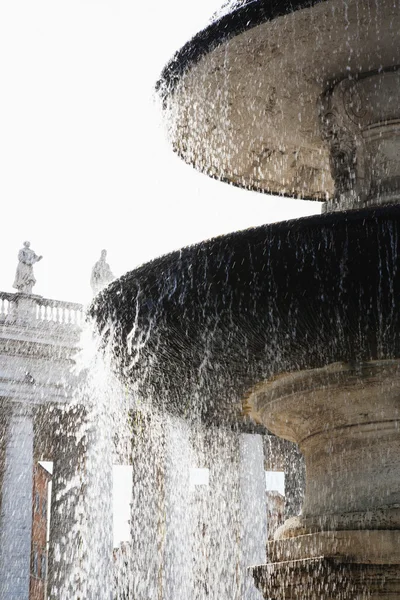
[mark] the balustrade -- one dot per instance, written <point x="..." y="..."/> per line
<point x="13" y="307"/>
<point x="6" y="304"/>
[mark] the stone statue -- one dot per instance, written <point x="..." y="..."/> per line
<point x="24" y="277"/>
<point x="101" y="274"/>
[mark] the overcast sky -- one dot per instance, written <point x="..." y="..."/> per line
<point x="84" y="161"/>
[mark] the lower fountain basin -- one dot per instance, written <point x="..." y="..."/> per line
<point x="196" y="329"/>
<point x="345" y="420"/>
<point x="328" y="578"/>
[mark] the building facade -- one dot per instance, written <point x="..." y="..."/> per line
<point x="38" y="342"/>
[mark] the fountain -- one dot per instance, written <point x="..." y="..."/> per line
<point x="295" y="324"/>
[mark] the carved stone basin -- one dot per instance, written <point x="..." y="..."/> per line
<point x="196" y="329"/>
<point x="246" y="99"/>
<point x="297" y="323"/>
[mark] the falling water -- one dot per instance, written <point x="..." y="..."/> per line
<point x="180" y="344"/>
<point x="93" y="435"/>
<point x="197" y="330"/>
<point x="198" y="512"/>
<point x="198" y="509"/>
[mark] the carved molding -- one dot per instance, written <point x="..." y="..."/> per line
<point x="37" y="350"/>
<point x="360" y="121"/>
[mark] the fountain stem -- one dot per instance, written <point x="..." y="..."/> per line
<point x="360" y="120"/>
<point x="345" y="420"/>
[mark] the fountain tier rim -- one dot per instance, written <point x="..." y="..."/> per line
<point x="236" y="21"/>
<point x="318" y="278"/>
<point x="271" y="108"/>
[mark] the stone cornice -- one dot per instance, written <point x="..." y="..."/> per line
<point x="15" y="347"/>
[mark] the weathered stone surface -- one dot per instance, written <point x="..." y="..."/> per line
<point x="66" y="551"/>
<point x="346" y="541"/>
<point x="360" y="120"/>
<point x="300" y="99"/>
<point x="377" y="546"/>
<point x="101" y="274"/>
<point x="244" y="108"/>
<point x="345" y="420"/>
<point x="38" y="346"/>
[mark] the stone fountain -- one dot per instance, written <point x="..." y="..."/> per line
<point x="296" y="324"/>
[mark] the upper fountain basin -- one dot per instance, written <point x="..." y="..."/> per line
<point x="196" y="329"/>
<point x="242" y="98"/>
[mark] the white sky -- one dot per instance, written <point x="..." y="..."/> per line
<point x="122" y="498"/>
<point x="84" y="163"/>
<point x="275" y="481"/>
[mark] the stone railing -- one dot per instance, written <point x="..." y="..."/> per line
<point x="7" y="303"/>
<point x="36" y="310"/>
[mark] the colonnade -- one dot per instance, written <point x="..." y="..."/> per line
<point x="184" y="536"/>
<point x="37" y="351"/>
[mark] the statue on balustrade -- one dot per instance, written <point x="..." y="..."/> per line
<point x="101" y="274"/>
<point x="24" y="277"/>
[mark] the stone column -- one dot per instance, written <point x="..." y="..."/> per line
<point x="217" y="545"/>
<point x="16" y="507"/>
<point x="67" y="524"/>
<point x="81" y="530"/>
<point x="148" y="509"/>
<point x="178" y="557"/>
<point x="98" y="501"/>
<point x="253" y="521"/>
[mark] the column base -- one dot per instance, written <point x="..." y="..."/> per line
<point x="386" y="518"/>
<point x="346" y="542"/>
<point x="327" y="578"/>
<point x="328" y="565"/>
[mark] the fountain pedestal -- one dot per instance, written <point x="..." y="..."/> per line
<point x="345" y="420"/>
